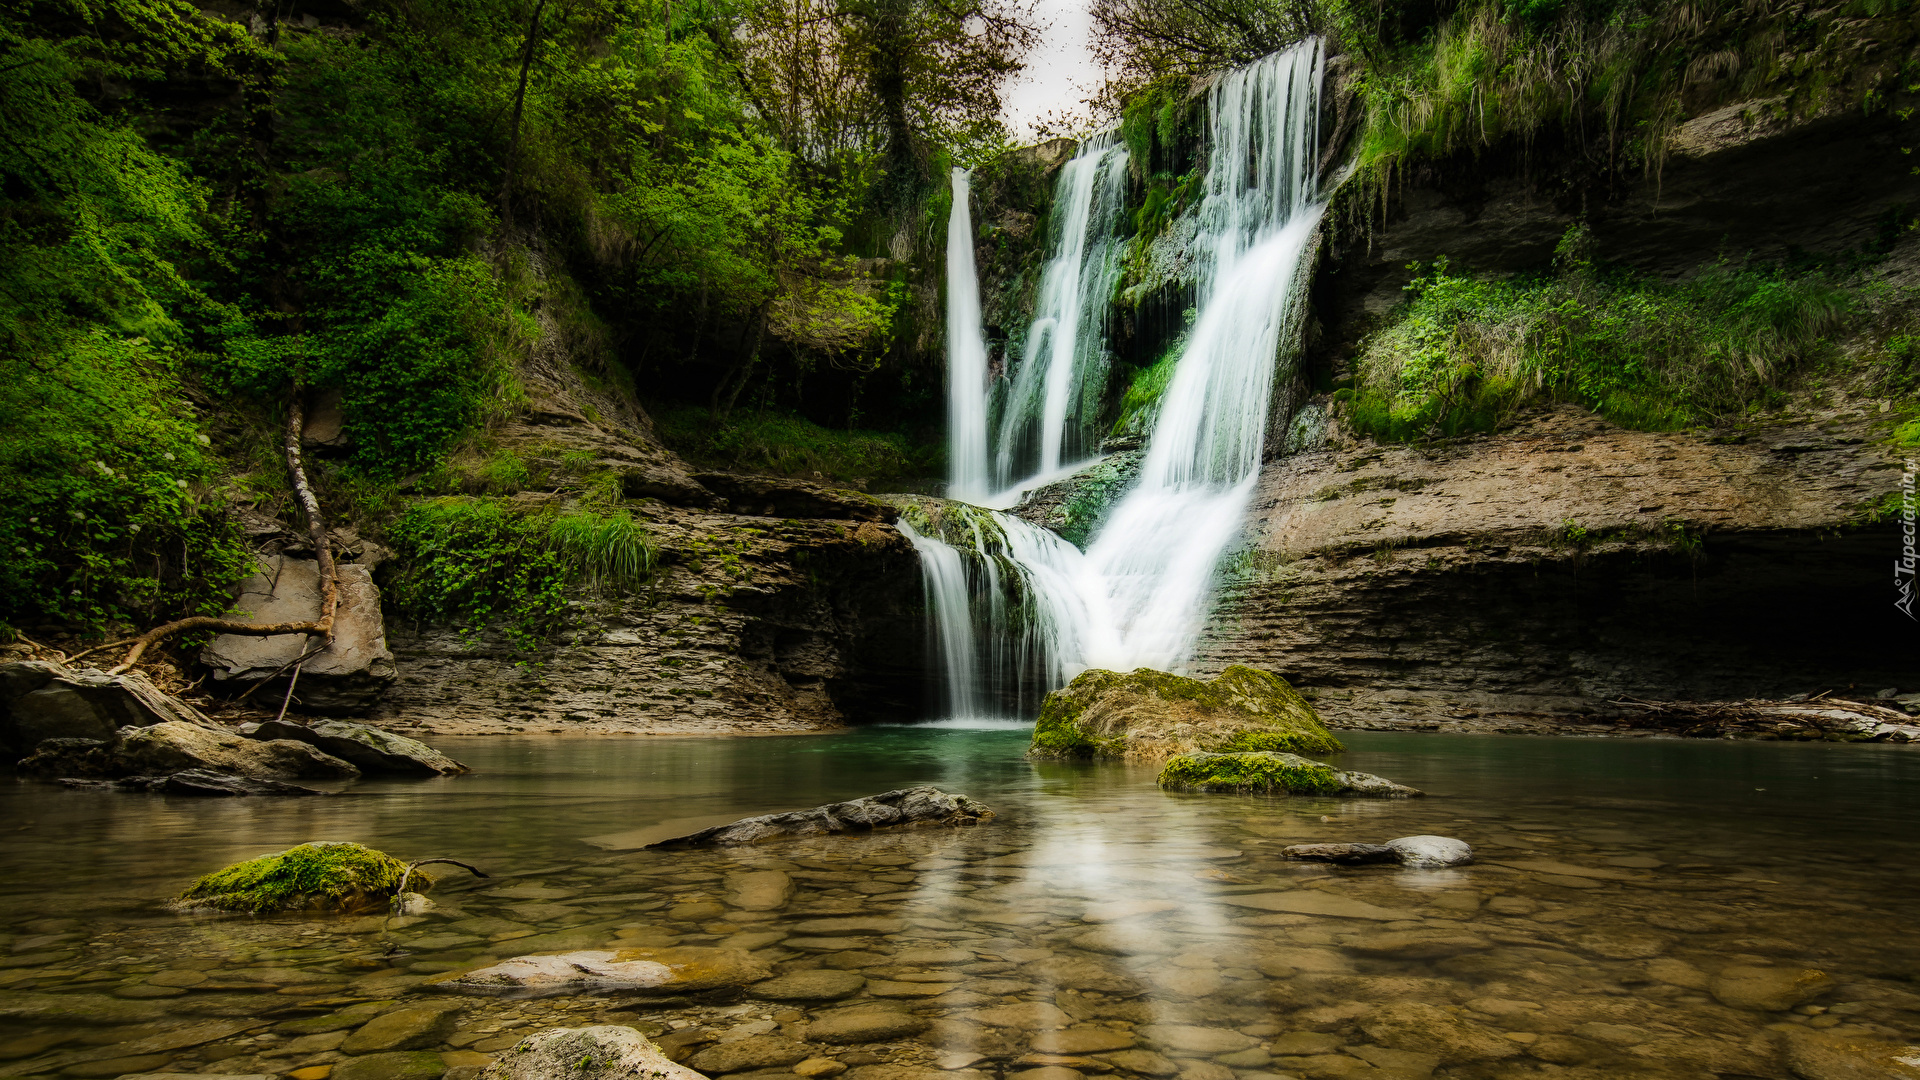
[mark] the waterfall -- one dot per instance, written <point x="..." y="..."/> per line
<point x="1138" y="594"/>
<point x="1049" y="412"/>
<point x="967" y="472"/>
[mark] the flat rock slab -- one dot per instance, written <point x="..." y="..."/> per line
<point x="177" y="746"/>
<point x="200" y="782"/>
<point x="818" y="984"/>
<point x="906" y="807"/>
<point x="1344" y="854"/>
<point x="859" y="1025"/>
<point x="667" y="970"/>
<point x="370" y="748"/>
<point x="604" y="1052"/>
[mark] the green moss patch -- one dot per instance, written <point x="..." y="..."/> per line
<point x="1153" y="714"/>
<point x="1271" y="773"/>
<point x="324" y="876"/>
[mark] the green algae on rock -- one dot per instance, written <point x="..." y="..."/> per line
<point x="1150" y="715"/>
<point x="1272" y="773"/>
<point x="319" y="876"/>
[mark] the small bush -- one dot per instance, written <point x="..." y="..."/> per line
<point x="1461" y="355"/>
<point x="478" y="562"/>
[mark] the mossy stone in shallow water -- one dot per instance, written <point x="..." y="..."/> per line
<point x="321" y="876"/>
<point x="1152" y="715"/>
<point x="1263" y="772"/>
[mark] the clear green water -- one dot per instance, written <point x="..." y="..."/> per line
<point x="1617" y="880"/>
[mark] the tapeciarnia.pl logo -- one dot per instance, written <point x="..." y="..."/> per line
<point x="1903" y="567"/>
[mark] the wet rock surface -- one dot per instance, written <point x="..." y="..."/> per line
<point x="1276" y="774"/>
<point x="41" y="701"/>
<point x="369" y="748"/>
<point x="347" y="676"/>
<point x="906" y="808"/>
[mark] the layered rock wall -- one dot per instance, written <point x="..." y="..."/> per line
<point x="1543" y="574"/>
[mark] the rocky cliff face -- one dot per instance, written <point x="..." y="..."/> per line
<point x="781" y="606"/>
<point x="1534" y="577"/>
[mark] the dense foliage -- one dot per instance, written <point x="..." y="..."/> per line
<point x="1612" y="77"/>
<point x="200" y="216"/>
<point x="1464" y="354"/>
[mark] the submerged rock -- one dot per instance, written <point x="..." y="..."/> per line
<point x="667" y="970"/>
<point x="195" y="782"/>
<point x="369" y="748"/>
<point x="1768" y="989"/>
<point x="1273" y="773"/>
<point x="1344" y="854"/>
<point x="1149" y="715"/>
<point x="891" y="809"/>
<point x="320" y="876"/>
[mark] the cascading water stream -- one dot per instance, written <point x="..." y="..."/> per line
<point x="968" y="473"/>
<point x="1046" y="420"/>
<point x="1138" y="595"/>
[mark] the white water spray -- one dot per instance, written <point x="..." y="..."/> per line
<point x="1048" y="416"/>
<point x="1138" y="595"/>
<point x="967" y="472"/>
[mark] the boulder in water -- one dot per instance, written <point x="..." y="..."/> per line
<point x="1417" y="852"/>
<point x="663" y="970"/>
<point x="1273" y="774"/>
<point x="195" y="782"/>
<point x="890" y="809"/>
<point x="603" y="1052"/>
<point x="320" y="876"/>
<point x="1149" y="715"/>
<point x="370" y="748"/>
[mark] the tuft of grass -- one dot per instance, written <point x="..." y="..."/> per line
<point x="1463" y="355"/>
<point x="479" y="562"/>
<point x="329" y="876"/>
<point x="1267" y="773"/>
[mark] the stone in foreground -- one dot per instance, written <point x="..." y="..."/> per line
<point x="370" y="748"/>
<point x="1149" y="715"/>
<point x="604" y="1052"/>
<point x="1270" y="773"/>
<point x="1344" y="854"/>
<point x="906" y="807"/>
<point x="666" y="970"/>
<point x="321" y="876"/>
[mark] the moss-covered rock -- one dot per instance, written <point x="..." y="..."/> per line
<point x="321" y="876"/>
<point x="1149" y="715"/>
<point x="1273" y="774"/>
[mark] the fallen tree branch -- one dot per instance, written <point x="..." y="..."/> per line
<point x="323" y="554"/>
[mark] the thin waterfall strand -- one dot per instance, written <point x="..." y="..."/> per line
<point x="968" y="474"/>
<point x="1048" y="416"/>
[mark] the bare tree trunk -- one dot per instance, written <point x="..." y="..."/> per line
<point x="519" y="103"/>
<point x="323" y="554"/>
